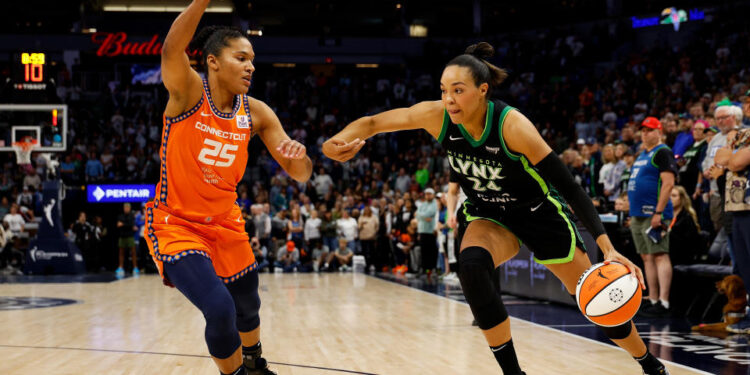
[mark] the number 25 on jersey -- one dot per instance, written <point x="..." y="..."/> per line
<point x="217" y="154"/>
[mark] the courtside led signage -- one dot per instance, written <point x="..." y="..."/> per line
<point x="119" y="193"/>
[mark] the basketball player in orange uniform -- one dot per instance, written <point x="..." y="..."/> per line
<point x="194" y="228"/>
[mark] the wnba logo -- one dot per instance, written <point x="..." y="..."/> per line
<point x="37" y="255"/>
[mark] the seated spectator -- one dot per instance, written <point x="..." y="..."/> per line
<point x="26" y="198"/>
<point x="340" y="259"/>
<point x="260" y="253"/>
<point x="685" y="244"/>
<point x="404" y="245"/>
<point x="287" y="257"/>
<point x="4" y="206"/>
<point x="319" y="255"/>
<point x="14" y="220"/>
<point x="32" y="179"/>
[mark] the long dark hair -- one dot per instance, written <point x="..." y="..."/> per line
<point x="210" y="40"/>
<point x="475" y="59"/>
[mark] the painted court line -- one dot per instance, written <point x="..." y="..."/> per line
<point x="612" y="346"/>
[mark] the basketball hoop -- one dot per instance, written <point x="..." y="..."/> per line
<point x="23" y="151"/>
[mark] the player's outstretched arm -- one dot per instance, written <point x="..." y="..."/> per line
<point x="290" y="154"/>
<point x="522" y="137"/>
<point x="345" y="144"/>
<point x="182" y="82"/>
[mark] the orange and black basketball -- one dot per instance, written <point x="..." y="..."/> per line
<point x="608" y="295"/>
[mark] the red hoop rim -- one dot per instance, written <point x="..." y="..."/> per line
<point x="23" y="145"/>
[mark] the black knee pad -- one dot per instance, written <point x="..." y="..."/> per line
<point x="475" y="273"/>
<point x="246" y="300"/>
<point x="614" y="333"/>
<point x="618" y="332"/>
<point x="221" y="331"/>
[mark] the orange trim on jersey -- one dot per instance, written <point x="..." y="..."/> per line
<point x="225" y="243"/>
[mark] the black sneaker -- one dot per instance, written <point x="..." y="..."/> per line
<point x="656" y="311"/>
<point x="660" y="371"/>
<point x="261" y="371"/>
<point x="645" y="305"/>
<point x="260" y="368"/>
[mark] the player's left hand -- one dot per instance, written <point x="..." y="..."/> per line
<point x="291" y="149"/>
<point x="635" y="271"/>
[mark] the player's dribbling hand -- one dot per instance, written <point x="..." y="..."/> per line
<point x="291" y="149"/>
<point x="635" y="271"/>
<point x="342" y="151"/>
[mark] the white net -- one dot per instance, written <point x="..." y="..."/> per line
<point x="23" y="151"/>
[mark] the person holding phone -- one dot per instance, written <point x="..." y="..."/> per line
<point x="651" y="180"/>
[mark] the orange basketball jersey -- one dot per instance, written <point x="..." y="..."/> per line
<point x="203" y="157"/>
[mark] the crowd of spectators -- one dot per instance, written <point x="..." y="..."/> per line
<point x="386" y="204"/>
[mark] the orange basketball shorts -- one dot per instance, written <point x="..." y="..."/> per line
<point x="225" y="242"/>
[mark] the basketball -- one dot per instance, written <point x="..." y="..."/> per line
<point x="607" y="295"/>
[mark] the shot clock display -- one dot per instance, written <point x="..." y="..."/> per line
<point x="30" y="81"/>
<point x="30" y="71"/>
<point x="33" y="66"/>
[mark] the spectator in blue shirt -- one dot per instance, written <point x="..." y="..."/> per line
<point x="94" y="168"/>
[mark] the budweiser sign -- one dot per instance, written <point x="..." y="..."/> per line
<point x="117" y="44"/>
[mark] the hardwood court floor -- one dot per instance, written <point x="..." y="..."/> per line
<point x="311" y="324"/>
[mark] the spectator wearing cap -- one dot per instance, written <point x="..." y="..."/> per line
<point x="727" y="118"/>
<point x="287" y="257"/>
<point x="426" y="210"/>
<point x="690" y="162"/>
<point x="649" y="189"/>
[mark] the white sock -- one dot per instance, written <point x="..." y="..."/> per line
<point x="665" y="304"/>
<point x="653" y="301"/>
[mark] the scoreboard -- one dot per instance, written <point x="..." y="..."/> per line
<point x="29" y="71"/>
<point x="30" y="80"/>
